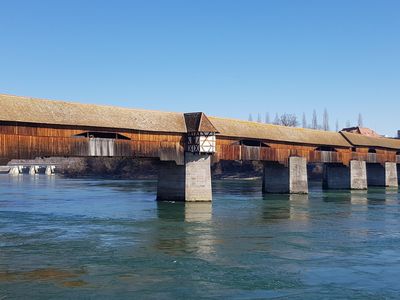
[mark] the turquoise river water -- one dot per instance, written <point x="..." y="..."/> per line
<point x="102" y="239"/>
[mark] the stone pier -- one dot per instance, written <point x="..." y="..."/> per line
<point x="338" y="176"/>
<point x="14" y="171"/>
<point x="49" y="170"/>
<point x="382" y="175"/>
<point x="398" y="174"/>
<point x="33" y="170"/>
<point x="188" y="182"/>
<point x="290" y="179"/>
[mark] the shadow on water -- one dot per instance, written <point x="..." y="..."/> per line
<point x="238" y="188"/>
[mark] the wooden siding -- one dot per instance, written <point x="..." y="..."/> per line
<point x="44" y="130"/>
<point x="27" y="141"/>
<point x="228" y="149"/>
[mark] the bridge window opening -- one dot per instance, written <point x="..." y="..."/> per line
<point x="353" y="149"/>
<point x="326" y="148"/>
<point x="252" y="143"/>
<point x="371" y="150"/>
<point x="398" y="152"/>
<point x="102" y="135"/>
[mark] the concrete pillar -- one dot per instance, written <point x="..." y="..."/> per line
<point x="398" y="174"/>
<point x="32" y="170"/>
<point x="291" y="179"/>
<point x="190" y="182"/>
<point x="391" y="176"/>
<point x="14" y="171"/>
<point x="49" y="170"/>
<point x="338" y="176"/>
<point x="382" y="175"/>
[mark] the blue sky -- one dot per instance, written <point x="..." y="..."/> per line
<point x="226" y="58"/>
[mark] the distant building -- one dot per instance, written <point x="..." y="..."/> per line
<point x="362" y="131"/>
<point x="398" y="134"/>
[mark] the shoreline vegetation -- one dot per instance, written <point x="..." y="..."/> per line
<point x="128" y="168"/>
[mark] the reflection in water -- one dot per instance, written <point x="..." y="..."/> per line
<point x="276" y="207"/>
<point x="282" y="206"/>
<point x="198" y="212"/>
<point x="299" y="208"/>
<point x="184" y="211"/>
<point x="359" y="197"/>
<point x="62" y="238"/>
<point x="186" y="228"/>
<point x="65" y="277"/>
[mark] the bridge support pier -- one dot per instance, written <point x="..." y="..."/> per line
<point x="190" y="182"/>
<point x="14" y="171"/>
<point x="33" y="170"/>
<point x="398" y="174"/>
<point x="49" y="170"/>
<point x="281" y="179"/>
<point x="382" y="175"/>
<point x="338" y="176"/>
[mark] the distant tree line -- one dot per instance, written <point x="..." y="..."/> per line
<point x="290" y="120"/>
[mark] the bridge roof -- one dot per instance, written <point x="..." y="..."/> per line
<point x="40" y="111"/>
<point x="369" y="141"/>
<point x="198" y="122"/>
<point x="31" y="110"/>
<point x="254" y="130"/>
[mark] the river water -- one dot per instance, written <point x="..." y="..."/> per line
<point x="102" y="239"/>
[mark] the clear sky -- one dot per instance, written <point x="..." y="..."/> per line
<point x="226" y="58"/>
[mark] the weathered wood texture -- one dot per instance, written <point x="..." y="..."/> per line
<point x="228" y="150"/>
<point x="27" y="141"/>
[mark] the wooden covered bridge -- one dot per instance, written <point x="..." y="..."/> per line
<point x="188" y="143"/>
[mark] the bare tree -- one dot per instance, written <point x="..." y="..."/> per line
<point x="277" y="120"/>
<point x="259" y="118"/>
<point x="250" y="118"/>
<point x="304" y="122"/>
<point x="360" y="120"/>
<point x="314" y="123"/>
<point x="337" y="126"/>
<point x="325" y="123"/>
<point x="267" y="118"/>
<point x="289" y="120"/>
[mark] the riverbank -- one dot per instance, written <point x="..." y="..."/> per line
<point x="128" y="168"/>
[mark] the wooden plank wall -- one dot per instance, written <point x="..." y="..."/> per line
<point x="228" y="150"/>
<point x="27" y="141"/>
